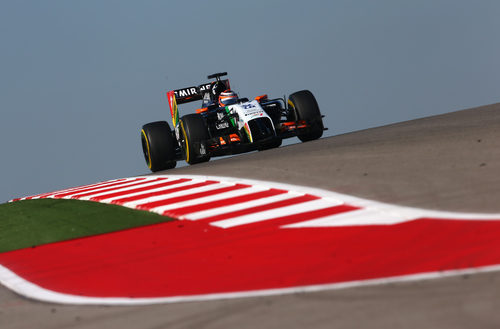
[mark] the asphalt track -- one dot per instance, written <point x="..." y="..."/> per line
<point x="448" y="162"/>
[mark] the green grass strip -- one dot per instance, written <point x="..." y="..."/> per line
<point x="34" y="222"/>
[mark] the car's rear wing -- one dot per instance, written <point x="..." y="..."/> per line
<point x="187" y="95"/>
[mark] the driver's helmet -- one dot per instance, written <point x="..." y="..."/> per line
<point x="228" y="97"/>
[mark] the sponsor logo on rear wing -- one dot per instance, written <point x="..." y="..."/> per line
<point x="191" y="94"/>
<point x="194" y="93"/>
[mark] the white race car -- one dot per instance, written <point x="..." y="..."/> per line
<point x="219" y="128"/>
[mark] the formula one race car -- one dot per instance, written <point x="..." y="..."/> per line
<point x="226" y="124"/>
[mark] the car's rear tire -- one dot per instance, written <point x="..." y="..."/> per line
<point x="158" y="146"/>
<point x="304" y="105"/>
<point x="194" y="132"/>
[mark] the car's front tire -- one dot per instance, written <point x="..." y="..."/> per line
<point x="194" y="137"/>
<point x="304" y="105"/>
<point x="158" y="146"/>
<point x="271" y="145"/>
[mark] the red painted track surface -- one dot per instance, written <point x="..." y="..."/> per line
<point x="190" y="258"/>
<point x="308" y="237"/>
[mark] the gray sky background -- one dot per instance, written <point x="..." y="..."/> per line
<point x="78" y="79"/>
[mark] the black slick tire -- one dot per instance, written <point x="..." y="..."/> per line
<point x="158" y="146"/>
<point x="194" y="133"/>
<point x="271" y="145"/>
<point x="304" y="105"/>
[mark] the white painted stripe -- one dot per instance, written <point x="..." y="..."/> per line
<point x="145" y="183"/>
<point x="138" y="184"/>
<point x="33" y="291"/>
<point x="275" y="213"/>
<point x="152" y="190"/>
<point x="359" y="217"/>
<point x="216" y="197"/>
<point x="240" y="206"/>
<point x="190" y="191"/>
<point x="165" y="189"/>
<point x="71" y="189"/>
<point x="97" y="190"/>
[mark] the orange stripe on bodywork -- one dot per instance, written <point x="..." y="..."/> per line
<point x="234" y="138"/>
<point x="261" y="98"/>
